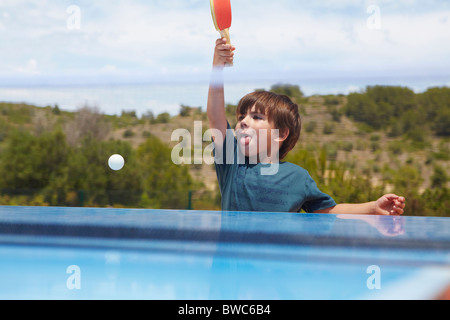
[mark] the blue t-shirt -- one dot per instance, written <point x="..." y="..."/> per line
<point x="253" y="187"/>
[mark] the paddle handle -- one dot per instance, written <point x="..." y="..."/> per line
<point x="225" y="33"/>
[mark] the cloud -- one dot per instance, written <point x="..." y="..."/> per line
<point x="30" y="67"/>
<point x="169" y="38"/>
<point x="309" y="42"/>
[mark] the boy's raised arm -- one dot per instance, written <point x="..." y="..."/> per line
<point x="223" y="54"/>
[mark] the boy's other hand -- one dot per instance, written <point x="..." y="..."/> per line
<point x="223" y="53"/>
<point x="390" y="204"/>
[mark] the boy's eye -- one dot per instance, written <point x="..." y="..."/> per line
<point x="253" y="116"/>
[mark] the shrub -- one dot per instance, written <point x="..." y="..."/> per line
<point x="328" y="128"/>
<point x="311" y="126"/>
<point x="128" y="133"/>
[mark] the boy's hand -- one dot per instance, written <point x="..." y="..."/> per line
<point x="223" y="53"/>
<point x="390" y="204"/>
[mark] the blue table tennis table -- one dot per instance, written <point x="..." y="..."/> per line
<point x="106" y="253"/>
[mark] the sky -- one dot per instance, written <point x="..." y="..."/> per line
<point x="125" y="41"/>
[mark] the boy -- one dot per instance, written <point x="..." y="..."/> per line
<point x="268" y="128"/>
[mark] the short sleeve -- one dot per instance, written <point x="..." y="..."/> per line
<point x="315" y="199"/>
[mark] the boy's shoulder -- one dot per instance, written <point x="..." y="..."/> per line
<point x="292" y="168"/>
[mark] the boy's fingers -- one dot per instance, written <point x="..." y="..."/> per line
<point x="400" y="204"/>
<point x="394" y="197"/>
<point x="396" y="211"/>
<point x="225" y="47"/>
<point x="221" y="41"/>
<point x="225" y="54"/>
<point x="398" y="207"/>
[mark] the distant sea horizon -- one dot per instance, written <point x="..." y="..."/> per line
<point x="168" y="97"/>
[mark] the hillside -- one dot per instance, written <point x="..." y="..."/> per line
<point x="388" y="160"/>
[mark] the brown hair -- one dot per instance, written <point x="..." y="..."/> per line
<point x="280" y="110"/>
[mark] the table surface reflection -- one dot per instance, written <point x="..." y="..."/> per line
<point x="99" y="253"/>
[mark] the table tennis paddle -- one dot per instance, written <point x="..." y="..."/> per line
<point x="221" y="14"/>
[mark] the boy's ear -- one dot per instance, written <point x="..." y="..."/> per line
<point x="282" y="135"/>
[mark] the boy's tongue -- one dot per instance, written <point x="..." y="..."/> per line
<point x="245" y="140"/>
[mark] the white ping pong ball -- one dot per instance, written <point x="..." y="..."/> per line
<point x="116" y="162"/>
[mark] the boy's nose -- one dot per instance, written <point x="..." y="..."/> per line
<point x="244" y="123"/>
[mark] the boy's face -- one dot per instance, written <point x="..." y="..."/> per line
<point x="254" y="134"/>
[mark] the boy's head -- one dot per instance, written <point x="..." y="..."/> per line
<point x="267" y="110"/>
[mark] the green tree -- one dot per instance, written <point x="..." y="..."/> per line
<point x="439" y="178"/>
<point x="442" y="123"/>
<point x="383" y="106"/>
<point x="31" y="163"/>
<point x="435" y="101"/>
<point x="433" y="202"/>
<point x="361" y="108"/>
<point x="396" y="100"/>
<point x="88" y="171"/>
<point x="185" y="111"/>
<point x="292" y="91"/>
<point x="165" y="184"/>
<point x="163" y="118"/>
